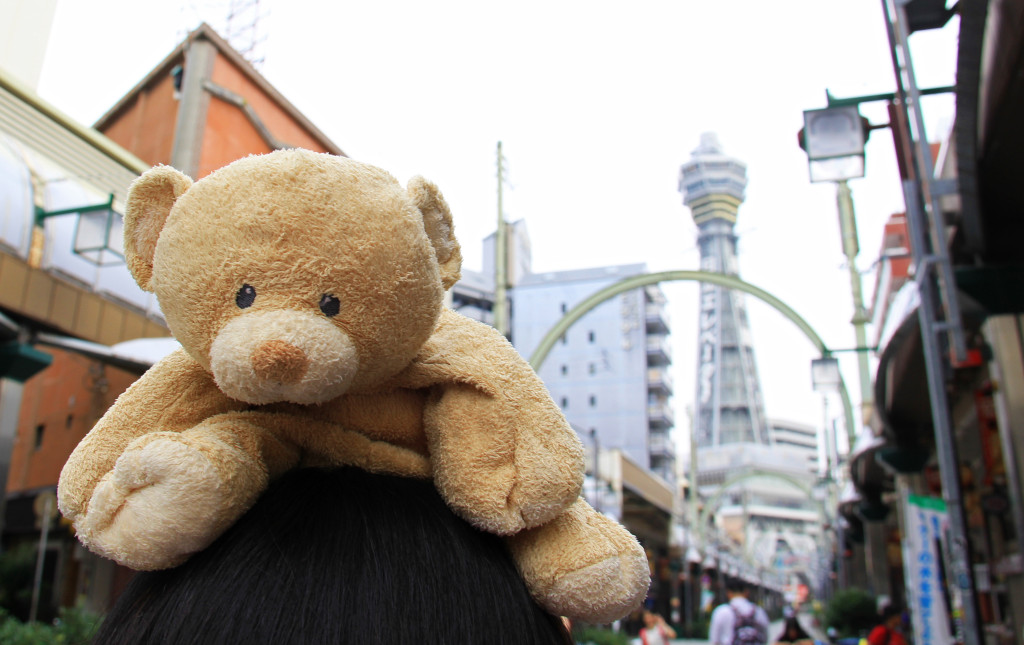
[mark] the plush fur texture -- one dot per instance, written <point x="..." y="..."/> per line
<point x="306" y="291"/>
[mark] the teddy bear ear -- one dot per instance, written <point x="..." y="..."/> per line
<point x="437" y="221"/>
<point x="150" y="199"/>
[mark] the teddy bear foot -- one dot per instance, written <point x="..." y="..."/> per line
<point x="163" y="501"/>
<point x="583" y="565"/>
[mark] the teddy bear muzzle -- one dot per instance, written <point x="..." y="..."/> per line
<point x="283" y="356"/>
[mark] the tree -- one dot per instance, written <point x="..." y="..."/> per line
<point x="852" y="612"/>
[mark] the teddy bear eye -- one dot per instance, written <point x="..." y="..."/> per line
<point x="245" y="297"/>
<point x="330" y="305"/>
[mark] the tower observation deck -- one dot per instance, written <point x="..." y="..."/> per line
<point x="729" y="404"/>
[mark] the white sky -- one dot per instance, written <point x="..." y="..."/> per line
<point x="597" y="105"/>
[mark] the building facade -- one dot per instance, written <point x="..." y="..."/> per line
<point x="800" y="437"/>
<point x="609" y="371"/>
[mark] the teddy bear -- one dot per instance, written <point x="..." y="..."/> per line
<point x="307" y="293"/>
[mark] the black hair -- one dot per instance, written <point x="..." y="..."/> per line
<point x="891" y="610"/>
<point x="339" y="556"/>
<point x="736" y="585"/>
<point x="793" y="624"/>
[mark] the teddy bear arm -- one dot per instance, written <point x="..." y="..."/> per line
<point x="503" y="464"/>
<point x="174" y="395"/>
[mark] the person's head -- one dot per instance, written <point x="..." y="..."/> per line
<point x="736" y="587"/>
<point x="892" y="616"/>
<point x="340" y="556"/>
<point x="792" y="630"/>
<point x="650" y="618"/>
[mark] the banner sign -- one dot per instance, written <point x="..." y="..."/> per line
<point x="925" y="569"/>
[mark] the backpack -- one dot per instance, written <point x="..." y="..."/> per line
<point x="745" y="630"/>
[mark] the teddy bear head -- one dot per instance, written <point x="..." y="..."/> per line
<point x="293" y="276"/>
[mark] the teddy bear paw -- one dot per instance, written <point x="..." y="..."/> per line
<point x="601" y="592"/>
<point x="163" y="501"/>
<point x="583" y="565"/>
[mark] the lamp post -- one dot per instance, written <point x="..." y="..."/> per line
<point x="834" y="139"/>
<point x="825" y="378"/>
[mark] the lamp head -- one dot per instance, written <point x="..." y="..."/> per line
<point x="834" y="140"/>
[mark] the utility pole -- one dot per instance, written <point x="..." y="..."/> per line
<point x="501" y="317"/>
<point x="597" y="472"/>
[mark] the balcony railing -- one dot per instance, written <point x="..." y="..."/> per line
<point x="657" y="319"/>
<point x="660" y="416"/>
<point x="658" y="351"/>
<point x="659" y="381"/>
<point x="660" y="445"/>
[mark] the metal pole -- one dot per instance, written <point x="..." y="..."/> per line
<point x="945" y="445"/>
<point x="939" y="314"/>
<point x="500" y="259"/>
<point x="840" y="534"/>
<point x="828" y="429"/>
<point x="851" y="247"/>
<point x="40" y="557"/>
<point x="597" y="477"/>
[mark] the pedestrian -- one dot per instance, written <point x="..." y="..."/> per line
<point x="793" y="633"/>
<point x="887" y="632"/>
<point x="338" y="556"/>
<point x="655" y="630"/>
<point x="738" y="621"/>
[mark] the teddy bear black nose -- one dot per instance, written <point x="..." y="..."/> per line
<point x="276" y="360"/>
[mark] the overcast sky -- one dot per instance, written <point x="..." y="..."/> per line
<point x="597" y="105"/>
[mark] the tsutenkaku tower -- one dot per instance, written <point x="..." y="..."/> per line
<point x="729" y="408"/>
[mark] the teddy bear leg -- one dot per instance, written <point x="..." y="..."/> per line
<point x="171" y="494"/>
<point x="583" y="565"/>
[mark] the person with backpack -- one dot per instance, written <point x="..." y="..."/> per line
<point x="738" y="621"/>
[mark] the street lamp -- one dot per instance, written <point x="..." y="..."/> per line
<point x="825" y="376"/>
<point x="834" y="139"/>
<point x="99" y="233"/>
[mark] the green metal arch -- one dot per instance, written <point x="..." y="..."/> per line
<point x="720" y="279"/>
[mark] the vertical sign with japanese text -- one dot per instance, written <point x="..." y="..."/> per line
<point x="923" y="565"/>
<point x="707" y="355"/>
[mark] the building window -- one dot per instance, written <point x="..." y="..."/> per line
<point x="68" y="422"/>
<point x="565" y="339"/>
<point x="38" y="440"/>
<point x="591" y="336"/>
<point x="565" y="402"/>
<point x="593" y="401"/>
<point x="565" y="370"/>
<point x="565" y="308"/>
<point x="592" y="368"/>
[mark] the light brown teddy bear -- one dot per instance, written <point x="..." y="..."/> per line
<point x="307" y="293"/>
